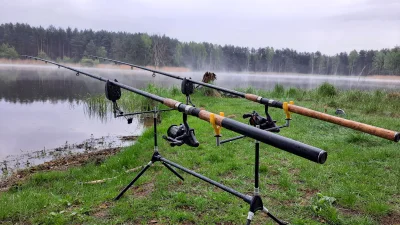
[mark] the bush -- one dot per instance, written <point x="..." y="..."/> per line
<point x="175" y="91"/>
<point x="279" y="90"/>
<point x="251" y="90"/>
<point x="292" y="93"/>
<point x="333" y="104"/>
<point x="7" y="51"/>
<point x="327" y="90"/>
<point x="88" y="62"/>
<point x="43" y="55"/>
<point x="67" y="59"/>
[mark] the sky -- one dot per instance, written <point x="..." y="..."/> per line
<point x="329" y="26"/>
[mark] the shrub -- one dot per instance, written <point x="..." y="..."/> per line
<point x="292" y="93"/>
<point x="88" y="62"/>
<point x="327" y="90"/>
<point x="279" y="90"/>
<point x="43" y="55"/>
<point x="7" y="51"/>
<point x="250" y="90"/>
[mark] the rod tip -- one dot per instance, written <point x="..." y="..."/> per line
<point x="323" y="155"/>
<point x="397" y="137"/>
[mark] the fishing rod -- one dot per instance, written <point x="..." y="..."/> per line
<point x="373" y="130"/>
<point x="295" y="147"/>
<point x="113" y="93"/>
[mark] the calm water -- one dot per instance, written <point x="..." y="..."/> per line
<point x="42" y="111"/>
<point x="42" y="107"/>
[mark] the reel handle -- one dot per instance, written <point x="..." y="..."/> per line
<point x="172" y="142"/>
<point x="247" y="115"/>
<point x="191" y="140"/>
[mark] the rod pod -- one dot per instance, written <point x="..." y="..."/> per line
<point x="373" y="130"/>
<point x="295" y="147"/>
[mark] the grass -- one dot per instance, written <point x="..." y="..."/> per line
<point x="359" y="183"/>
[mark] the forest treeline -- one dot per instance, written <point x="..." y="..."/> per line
<point x="69" y="45"/>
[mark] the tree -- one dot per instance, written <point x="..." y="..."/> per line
<point x="352" y="60"/>
<point x="101" y="51"/>
<point x="8" y="52"/>
<point x="392" y="62"/>
<point x="145" y="47"/>
<point x="43" y="55"/>
<point x="91" y="48"/>
<point x="335" y="64"/>
<point x="159" y="50"/>
<point x="378" y="62"/>
<point x="178" y="55"/>
<point x="142" y="49"/>
<point x="269" y="56"/>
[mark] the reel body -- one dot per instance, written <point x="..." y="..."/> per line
<point x="263" y="122"/>
<point x="182" y="134"/>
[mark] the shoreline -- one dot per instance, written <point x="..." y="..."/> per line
<point x="82" y="189"/>
<point x="27" y="62"/>
<point x="59" y="164"/>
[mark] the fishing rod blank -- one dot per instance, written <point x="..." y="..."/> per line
<point x="300" y="149"/>
<point x="373" y="130"/>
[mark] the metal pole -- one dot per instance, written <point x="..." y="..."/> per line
<point x="155" y="129"/>
<point x="257" y="166"/>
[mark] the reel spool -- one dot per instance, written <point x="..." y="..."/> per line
<point x="182" y="134"/>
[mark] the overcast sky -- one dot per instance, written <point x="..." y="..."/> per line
<point x="305" y="25"/>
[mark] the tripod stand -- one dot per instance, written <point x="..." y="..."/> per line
<point x="156" y="157"/>
<point x="255" y="202"/>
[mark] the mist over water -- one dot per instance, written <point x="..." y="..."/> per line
<point x="43" y="107"/>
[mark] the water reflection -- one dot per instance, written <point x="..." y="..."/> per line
<point x="43" y="107"/>
<point x="21" y="84"/>
<point x="26" y="84"/>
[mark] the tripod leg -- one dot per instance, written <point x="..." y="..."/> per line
<point x="249" y="217"/>
<point x="255" y="205"/>
<point x="280" y="222"/>
<point x="173" y="171"/>
<point x="133" y="181"/>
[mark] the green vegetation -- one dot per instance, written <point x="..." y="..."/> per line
<point x="326" y="90"/>
<point x="64" y="59"/>
<point x="43" y="55"/>
<point x="8" y="52"/>
<point x="160" y="50"/>
<point x="359" y="183"/>
<point x="89" y="62"/>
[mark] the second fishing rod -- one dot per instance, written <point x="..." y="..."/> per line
<point x="283" y="143"/>
<point x="366" y="128"/>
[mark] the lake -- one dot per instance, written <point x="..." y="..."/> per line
<point x="43" y="107"/>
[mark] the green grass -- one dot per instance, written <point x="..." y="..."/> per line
<point x="361" y="174"/>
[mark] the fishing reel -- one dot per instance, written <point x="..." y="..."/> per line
<point x="264" y="123"/>
<point x="182" y="134"/>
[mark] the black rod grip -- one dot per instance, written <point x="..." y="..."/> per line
<point x="300" y="149"/>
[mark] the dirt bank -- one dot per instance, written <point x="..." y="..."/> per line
<point x="58" y="164"/>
